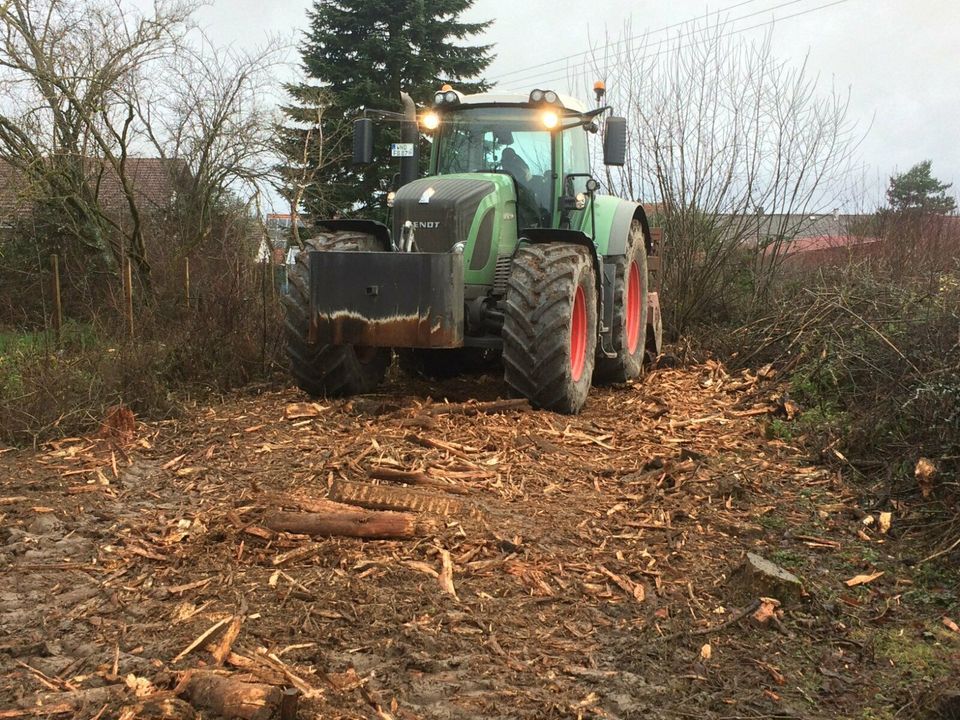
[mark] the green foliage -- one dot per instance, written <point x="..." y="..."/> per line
<point x="874" y="368"/>
<point x="917" y="190"/>
<point x="362" y="53"/>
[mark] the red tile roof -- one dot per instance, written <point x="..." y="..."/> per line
<point x="12" y="192"/>
<point x="154" y="181"/>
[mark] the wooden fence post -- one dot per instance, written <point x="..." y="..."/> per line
<point x="186" y="281"/>
<point x="128" y="292"/>
<point x="57" y="304"/>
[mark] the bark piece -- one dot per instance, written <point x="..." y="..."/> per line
<point x="758" y="577"/>
<point x="381" y="497"/>
<point x="230" y="698"/>
<point x="479" y="408"/>
<point x="159" y="708"/>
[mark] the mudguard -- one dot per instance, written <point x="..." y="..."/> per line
<point x="613" y="217"/>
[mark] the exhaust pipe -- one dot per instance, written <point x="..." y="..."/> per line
<point x="409" y="133"/>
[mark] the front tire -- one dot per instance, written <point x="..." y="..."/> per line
<point x="328" y="370"/>
<point x="550" y="326"/>
<point x="630" y="298"/>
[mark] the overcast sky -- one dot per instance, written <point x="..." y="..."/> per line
<point x="899" y="58"/>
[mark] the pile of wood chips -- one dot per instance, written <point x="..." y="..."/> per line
<point x="388" y="556"/>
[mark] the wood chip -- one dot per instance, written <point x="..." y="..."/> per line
<point x="863" y="579"/>
<point x="201" y="639"/>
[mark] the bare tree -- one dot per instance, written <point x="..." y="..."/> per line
<point x="93" y="84"/>
<point x="214" y="111"/>
<point x="310" y="153"/>
<point x="737" y="149"/>
<point x="69" y="122"/>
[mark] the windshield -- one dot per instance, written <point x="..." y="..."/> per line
<point x="504" y="139"/>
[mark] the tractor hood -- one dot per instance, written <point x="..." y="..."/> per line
<point x="444" y="209"/>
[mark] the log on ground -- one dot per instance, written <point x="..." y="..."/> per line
<point x="331" y="518"/>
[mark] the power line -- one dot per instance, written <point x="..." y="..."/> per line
<point x="564" y="58"/>
<point x="585" y="70"/>
<point x="782" y="4"/>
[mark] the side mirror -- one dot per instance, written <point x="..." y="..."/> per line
<point x="362" y="141"/>
<point x="615" y="141"/>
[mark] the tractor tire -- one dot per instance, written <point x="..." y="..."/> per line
<point x="328" y="370"/>
<point x="629" y="331"/>
<point x="550" y="326"/>
<point x="442" y="364"/>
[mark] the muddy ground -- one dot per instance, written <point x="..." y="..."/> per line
<point x="588" y="573"/>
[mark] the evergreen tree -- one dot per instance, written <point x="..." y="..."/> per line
<point x="361" y="54"/>
<point x="917" y="191"/>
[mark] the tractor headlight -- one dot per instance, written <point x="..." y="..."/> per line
<point x="550" y="119"/>
<point x="430" y="121"/>
<point x="581" y="201"/>
<point x="391" y="196"/>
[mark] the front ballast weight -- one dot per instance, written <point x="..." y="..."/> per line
<point x="387" y="299"/>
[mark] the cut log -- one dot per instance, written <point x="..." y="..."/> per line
<point x="228" y="697"/>
<point x="415" y="477"/>
<point x="758" y="577"/>
<point x="331" y="518"/>
<point x="381" y="497"/>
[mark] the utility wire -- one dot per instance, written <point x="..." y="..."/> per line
<point x="564" y="58"/>
<point x="606" y="46"/>
<point x="586" y="70"/>
<point x="643" y="35"/>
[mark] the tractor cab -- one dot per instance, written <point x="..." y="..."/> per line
<point x="539" y="140"/>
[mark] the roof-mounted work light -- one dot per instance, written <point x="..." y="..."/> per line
<point x="545" y="97"/>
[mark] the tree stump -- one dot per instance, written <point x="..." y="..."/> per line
<point x="758" y="577"/>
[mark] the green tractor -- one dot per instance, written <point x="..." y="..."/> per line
<point x="505" y="249"/>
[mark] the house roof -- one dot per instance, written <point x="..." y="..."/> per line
<point x="154" y="180"/>
<point x="12" y="191"/>
<point x="826" y="242"/>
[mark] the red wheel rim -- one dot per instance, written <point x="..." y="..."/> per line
<point x="634" y="301"/>
<point x="578" y="335"/>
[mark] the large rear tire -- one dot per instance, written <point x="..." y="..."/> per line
<point x="328" y="370"/>
<point x="550" y="326"/>
<point x="630" y="299"/>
